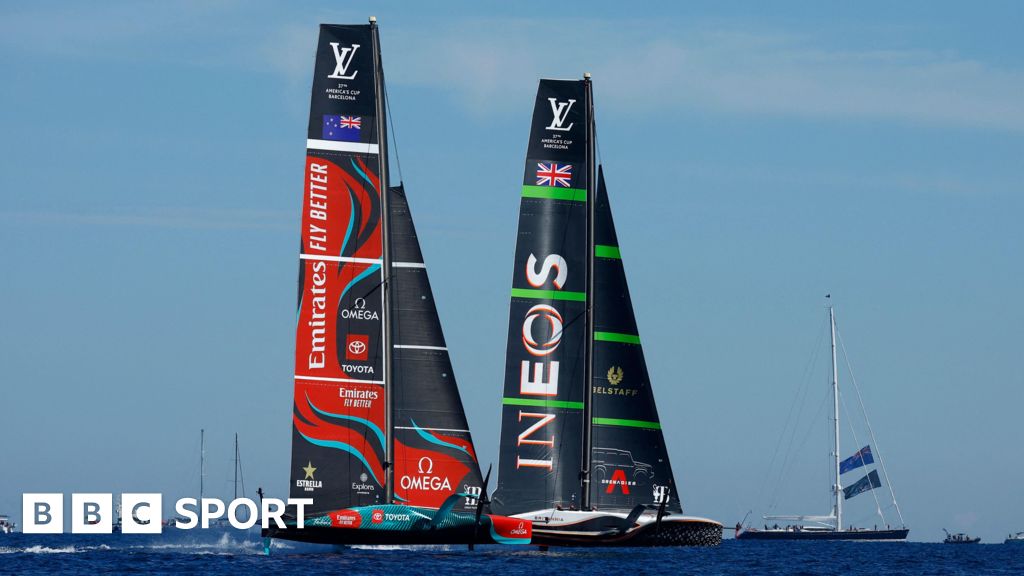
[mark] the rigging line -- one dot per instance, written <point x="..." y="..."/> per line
<point x="871" y="431"/>
<point x="856" y="441"/>
<point x="800" y="399"/>
<point x="807" y="436"/>
<point x="394" y="139"/>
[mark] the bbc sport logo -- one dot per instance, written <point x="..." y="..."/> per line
<point x="93" y="513"/>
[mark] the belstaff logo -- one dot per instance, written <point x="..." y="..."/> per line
<point x="554" y="322"/>
<point x="614" y="375"/>
<point x="357" y="347"/>
<point x="559" y="113"/>
<point x="342" y="60"/>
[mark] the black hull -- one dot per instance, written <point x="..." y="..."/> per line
<point x="876" y="535"/>
<point x="688" y="533"/>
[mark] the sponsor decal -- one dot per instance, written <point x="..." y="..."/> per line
<point x="343" y="60"/>
<point x="540" y="378"/>
<point x="473" y="494"/>
<point x="346" y="519"/>
<point x="554" y="325"/>
<point x="341" y="128"/>
<point x="552" y="174"/>
<point x="309" y="483"/>
<point x="357" y="347"/>
<point x="425" y="478"/>
<point x="661" y="494"/>
<point x="615" y="375"/>
<point x="618" y="479"/>
<point x="358" y="311"/>
<point x="362" y="487"/>
<point x="377" y="517"/>
<point x="358" y="398"/>
<point x="519" y="530"/>
<point x="559" y="113"/>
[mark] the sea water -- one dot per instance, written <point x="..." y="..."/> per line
<point x="234" y="553"/>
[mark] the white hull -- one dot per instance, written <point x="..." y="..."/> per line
<point x="600" y="528"/>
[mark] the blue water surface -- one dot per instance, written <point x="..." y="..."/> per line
<point x="235" y="553"/>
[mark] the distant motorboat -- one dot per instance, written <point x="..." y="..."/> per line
<point x="960" y="538"/>
<point x="7" y="525"/>
<point x="1017" y="538"/>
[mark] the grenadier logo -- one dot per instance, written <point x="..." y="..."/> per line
<point x="559" y="113"/>
<point x="342" y="60"/>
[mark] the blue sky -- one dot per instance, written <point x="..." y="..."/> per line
<point x="757" y="157"/>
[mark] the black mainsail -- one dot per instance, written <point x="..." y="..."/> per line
<point x="542" y="414"/>
<point x="380" y="441"/>
<point x="581" y="444"/>
<point x="629" y="459"/>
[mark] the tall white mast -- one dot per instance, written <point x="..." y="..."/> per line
<point x="837" y="489"/>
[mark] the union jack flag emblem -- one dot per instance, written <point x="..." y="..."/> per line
<point x="351" y="122"/>
<point x="554" y="174"/>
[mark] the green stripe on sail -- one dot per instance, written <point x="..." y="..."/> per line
<point x="602" y="251"/>
<point x="542" y="403"/>
<point x="627" y="423"/>
<point x="616" y="337"/>
<point x="548" y="294"/>
<point x="553" y="193"/>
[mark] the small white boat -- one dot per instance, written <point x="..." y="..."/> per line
<point x="7" y="525"/>
<point x="1017" y="538"/>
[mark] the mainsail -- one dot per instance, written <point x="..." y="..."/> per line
<point x="563" y="442"/>
<point x="629" y="461"/>
<point x="377" y="416"/>
<point x="542" y="413"/>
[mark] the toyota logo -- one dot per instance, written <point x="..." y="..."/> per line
<point x="357" y="347"/>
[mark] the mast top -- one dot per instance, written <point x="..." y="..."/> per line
<point x="586" y="75"/>
<point x="373" y="19"/>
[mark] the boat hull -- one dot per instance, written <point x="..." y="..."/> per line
<point x="402" y="525"/>
<point x="575" y="528"/>
<point x="874" y="535"/>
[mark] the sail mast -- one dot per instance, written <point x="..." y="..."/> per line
<point x="202" y="463"/>
<point x="835" y="420"/>
<point x="236" y="465"/>
<point x="382" y="163"/>
<point x="588" y="360"/>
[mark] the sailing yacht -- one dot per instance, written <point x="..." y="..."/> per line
<point x="830" y="526"/>
<point x="380" y="441"/>
<point x="583" y="455"/>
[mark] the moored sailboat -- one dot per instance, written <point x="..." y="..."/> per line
<point x="830" y="526"/>
<point x="380" y="441"/>
<point x="583" y="455"/>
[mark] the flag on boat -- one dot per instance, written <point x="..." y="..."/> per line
<point x="551" y="174"/>
<point x="342" y="128"/>
<point x="861" y="458"/>
<point x="869" y="482"/>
